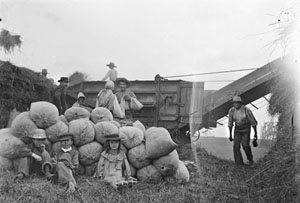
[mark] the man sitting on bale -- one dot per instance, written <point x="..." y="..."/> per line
<point x="34" y="159"/>
<point x="126" y="98"/>
<point x="80" y="102"/>
<point x="243" y="119"/>
<point x="66" y="161"/>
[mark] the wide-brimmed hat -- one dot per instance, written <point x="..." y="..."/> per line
<point x="118" y="80"/>
<point x="44" y="71"/>
<point x="39" y="134"/>
<point x="65" y="136"/>
<point x="63" y="79"/>
<point x="111" y="65"/>
<point x="236" y="99"/>
<point x="80" y="95"/>
<point x="112" y="137"/>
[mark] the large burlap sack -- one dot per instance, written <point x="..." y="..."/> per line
<point x="5" y="164"/>
<point x="83" y="131"/>
<point x="100" y="114"/>
<point x="149" y="174"/>
<point x="139" y="125"/>
<point x="74" y="113"/>
<point x="53" y="132"/>
<point x="167" y="165"/>
<point x="91" y="169"/>
<point x="63" y="119"/>
<point x="90" y="153"/>
<point x="43" y="114"/>
<point x="137" y="157"/>
<point x="131" y="136"/>
<point x="11" y="147"/>
<point x="182" y="174"/>
<point x="104" y="128"/>
<point x="22" y="127"/>
<point x="116" y="123"/>
<point x="158" y="142"/>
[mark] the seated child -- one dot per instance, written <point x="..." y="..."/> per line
<point x="113" y="166"/>
<point x="66" y="162"/>
<point x="35" y="158"/>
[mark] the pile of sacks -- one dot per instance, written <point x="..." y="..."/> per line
<point x="151" y="152"/>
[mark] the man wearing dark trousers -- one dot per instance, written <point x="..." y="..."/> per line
<point x="242" y="118"/>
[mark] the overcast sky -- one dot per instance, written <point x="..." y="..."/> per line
<point x="143" y="38"/>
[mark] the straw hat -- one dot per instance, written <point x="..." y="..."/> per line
<point x="39" y="134"/>
<point x="112" y="137"/>
<point x="65" y="136"/>
<point x="111" y="65"/>
<point x="236" y="99"/>
<point x="80" y="95"/>
<point x="118" y="80"/>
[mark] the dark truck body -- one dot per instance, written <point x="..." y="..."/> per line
<point x="167" y="103"/>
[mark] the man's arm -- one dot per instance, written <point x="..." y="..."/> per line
<point x="230" y="124"/>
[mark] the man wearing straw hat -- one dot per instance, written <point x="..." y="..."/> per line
<point x="243" y="119"/>
<point x="112" y="74"/>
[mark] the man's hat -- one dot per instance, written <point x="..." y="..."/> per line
<point x="44" y="71"/>
<point x="63" y="79"/>
<point x="111" y="65"/>
<point x="236" y="99"/>
<point x="118" y="80"/>
<point x="80" y="94"/>
<point x="65" y="136"/>
<point x="39" y="134"/>
<point x="112" y="137"/>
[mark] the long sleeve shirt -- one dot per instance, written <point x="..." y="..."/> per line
<point x="241" y="117"/>
<point x="112" y="75"/>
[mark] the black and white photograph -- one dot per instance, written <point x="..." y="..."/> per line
<point x="149" y="101"/>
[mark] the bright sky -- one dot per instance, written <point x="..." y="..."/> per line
<point x="143" y="38"/>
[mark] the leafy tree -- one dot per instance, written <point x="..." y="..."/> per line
<point x="8" y="41"/>
<point x="77" y="77"/>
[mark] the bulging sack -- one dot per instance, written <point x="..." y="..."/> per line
<point x="53" y="132"/>
<point x="105" y="128"/>
<point x="182" y="174"/>
<point x="74" y="113"/>
<point x="139" y="125"/>
<point x="167" y="165"/>
<point x="100" y="114"/>
<point x="83" y="131"/>
<point x="131" y="136"/>
<point x="11" y="147"/>
<point x="43" y="114"/>
<point x="90" y="153"/>
<point x="5" y="164"/>
<point x="149" y="174"/>
<point x="137" y="157"/>
<point x="22" y="127"/>
<point x="158" y="142"/>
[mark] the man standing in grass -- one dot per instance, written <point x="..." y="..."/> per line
<point x="243" y="119"/>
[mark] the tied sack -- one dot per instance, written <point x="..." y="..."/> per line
<point x="11" y="147"/>
<point x="137" y="157"/>
<point x="53" y="132"/>
<point x="158" y="142"/>
<point x="90" y="153"/>
<point x="139" y="125"/>
<point x="22" y="127"/>
<point x="167" y="165"/>
<point x="100" y="114"/>
<point x="74" y="113"/>
<point x="83" y="131"/>
<point x="149" y="174"/>
<point x="182" y="174"/>
<point x="43" y="114"/>
<point x="5" y="164"/>
<point x="105" y="128"/>
<point x="131" y="136"/>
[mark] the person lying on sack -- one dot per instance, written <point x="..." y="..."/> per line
<point x="126" y="98"/>
<point x="113" y="167"/>
<point x="106" y="98"/>
<point x="80" y="102"/>
<point x="35" y="159"/>
<point x="243" y="119"/>
<point x="66" y="161"/>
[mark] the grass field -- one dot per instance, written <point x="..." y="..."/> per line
<point x="214" y="180"/>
